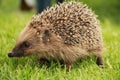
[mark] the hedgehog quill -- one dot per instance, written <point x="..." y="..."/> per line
<point x="65" y="32"/>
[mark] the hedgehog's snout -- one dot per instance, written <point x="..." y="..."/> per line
<point x="10" y="54"/>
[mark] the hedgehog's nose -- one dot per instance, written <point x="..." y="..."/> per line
<point x="10" y="54"/>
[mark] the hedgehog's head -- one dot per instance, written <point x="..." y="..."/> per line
<point x="31" y="40"/>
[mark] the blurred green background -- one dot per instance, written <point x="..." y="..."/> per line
<point x="104" y="8"/>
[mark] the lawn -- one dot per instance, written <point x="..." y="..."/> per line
<point x="12" y="21"/>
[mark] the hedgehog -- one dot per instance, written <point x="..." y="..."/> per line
<point x="66" y="32"/>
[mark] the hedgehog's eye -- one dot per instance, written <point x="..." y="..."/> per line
<point x="26" y="44"/>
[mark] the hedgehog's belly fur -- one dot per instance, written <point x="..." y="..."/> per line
<point x="67" y="54"/>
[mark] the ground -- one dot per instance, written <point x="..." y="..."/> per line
<point x="12" y="21"/>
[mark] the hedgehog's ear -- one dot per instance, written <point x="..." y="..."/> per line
<point x="46" y="36"/>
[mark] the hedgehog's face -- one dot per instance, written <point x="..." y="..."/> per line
<point x="30" y="42"/>
<point x="19" y="49"/>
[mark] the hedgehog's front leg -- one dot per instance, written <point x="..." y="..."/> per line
<point x="43" y="61"/>
<point x="68" y="66"/>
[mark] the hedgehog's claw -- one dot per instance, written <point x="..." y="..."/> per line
<point x="68" y="67"/>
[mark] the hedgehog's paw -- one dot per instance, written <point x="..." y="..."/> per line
<point x="68" y="66"/>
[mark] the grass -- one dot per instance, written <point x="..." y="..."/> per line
<point x="12" y="21"/>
